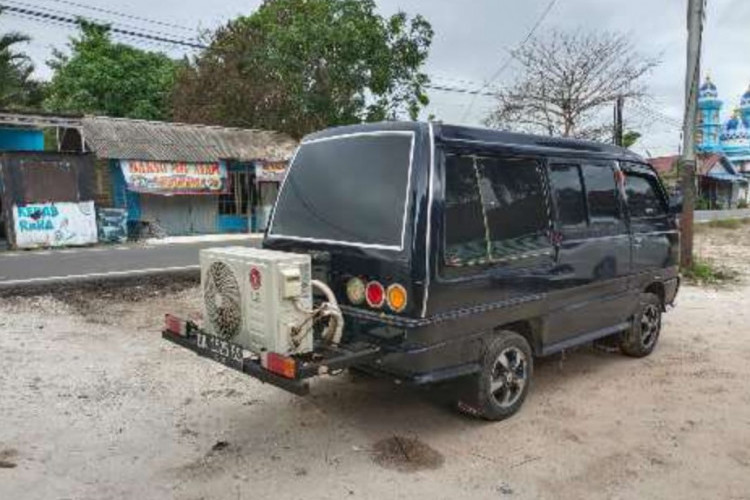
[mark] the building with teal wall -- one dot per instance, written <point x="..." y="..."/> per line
<point x="21" y="139"/>
<point x="731" y="137"/>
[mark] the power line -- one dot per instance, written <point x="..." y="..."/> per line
<point x="98" y="20"/>
<point x="509" y="59"/>
<point x="35" y="14"/>
<point x="147" y="44"/>
<point x="122" y="14"/>
<point x="460" y="90"/>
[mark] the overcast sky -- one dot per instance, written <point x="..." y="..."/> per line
<point x="472" y="39"/>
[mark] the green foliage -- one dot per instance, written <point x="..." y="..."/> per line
<point x="302" y="65"/>
<point x="17" y="88"/>
<point x="703" y="204"/>
<point x="102" y="77"/>
<point x="705" y="272"/>
<point x="630" y="137"/>
<point x="742" y="204"/>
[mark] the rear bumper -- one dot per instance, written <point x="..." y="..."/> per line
<point x="249" y="366"/>
<point x="325" y="360"/>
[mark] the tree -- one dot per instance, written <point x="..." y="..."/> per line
<point x="17" y="87"/>
<point x="102" y="77"/>
<point x="567" y="80"/>
<point x="302" y="65"/>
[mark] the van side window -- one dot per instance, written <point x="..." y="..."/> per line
<point x="465" y="232"/>
<point x="515" y="205"/>
<point x="601" y="193"/>
<point x="643" y="198"/>
<point x="567" y="186"/>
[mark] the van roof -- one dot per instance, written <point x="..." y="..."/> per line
<point x="479" y="135"/>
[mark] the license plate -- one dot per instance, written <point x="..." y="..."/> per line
<point x="220" y="350"/>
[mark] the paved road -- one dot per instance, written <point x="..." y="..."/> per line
<point x="106" y="262"/>
<point x="709" y="215"/>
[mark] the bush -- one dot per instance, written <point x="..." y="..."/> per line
<point x="742" y="204"/>
<point x="703" y="204"/>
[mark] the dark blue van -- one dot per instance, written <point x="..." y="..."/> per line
<point x="463" y="253"/>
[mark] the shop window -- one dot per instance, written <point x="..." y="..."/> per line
<point x="237" y="200"/>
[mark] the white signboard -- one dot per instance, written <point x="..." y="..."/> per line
<point x="54" y="224"/>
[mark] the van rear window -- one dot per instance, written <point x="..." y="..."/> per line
<point x="349" y="189"/>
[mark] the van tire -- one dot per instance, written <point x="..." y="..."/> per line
<point x="643" y="335"/>
<point x="500" y="388"/>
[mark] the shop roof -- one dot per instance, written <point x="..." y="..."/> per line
<point x="120" y="138"/>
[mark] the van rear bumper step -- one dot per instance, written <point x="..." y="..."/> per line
<point x="325" y="359"/>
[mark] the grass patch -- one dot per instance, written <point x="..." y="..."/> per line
<point x="705" y="272"/>
<point x="728" y="223"/>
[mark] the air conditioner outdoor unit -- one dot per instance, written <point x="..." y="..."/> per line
<point x="257" y="298"/>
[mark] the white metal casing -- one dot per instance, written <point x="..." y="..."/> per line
<point x="272" y="303"/>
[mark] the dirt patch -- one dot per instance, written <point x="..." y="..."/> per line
<point x="6" y="459"/>
<point x="406" y="454"/>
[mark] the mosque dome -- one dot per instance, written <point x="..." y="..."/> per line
<point x="745" y="101"/>
<point x="735" y="133"/>
<point x="708" y="90"/>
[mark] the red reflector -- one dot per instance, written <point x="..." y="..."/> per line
<point x="375" y="294"/>
<point x="280" y="365"/>
<point x="175" y="325"/>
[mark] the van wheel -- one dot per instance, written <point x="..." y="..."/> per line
<point x="641" y="338"/>
<point x="501" y="387"/>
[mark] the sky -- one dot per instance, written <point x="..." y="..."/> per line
<point x="472" y="41"/>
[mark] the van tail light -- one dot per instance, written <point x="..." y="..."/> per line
<point x="396" y="297"/>
<point x="278" y="364"/>
<point x="375" y="294"/>
<point x="355" y="291"/>
<point x="175" y="325"/>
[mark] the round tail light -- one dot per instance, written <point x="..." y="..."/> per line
<point x="375" y="294"/>
<point x="355" y="291"/>
<point x="396" y="297"/>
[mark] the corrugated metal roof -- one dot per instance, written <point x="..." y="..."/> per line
<point x="121" y="138"/>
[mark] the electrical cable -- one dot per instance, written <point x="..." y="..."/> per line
<point x="121" y="14"/>
<point x="510" y="58"/>
<point x="97" y="20"/>
<point x="72" y="21"/>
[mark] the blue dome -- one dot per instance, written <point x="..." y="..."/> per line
<point x="745" y="102"/>
<point x="735" y="132"/>
<point x="708" y="90"/>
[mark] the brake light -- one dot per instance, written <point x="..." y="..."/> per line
<point x="355" y="291"/>
<point x="375" y="294"/>
<point x="396" y="296"/>
<point x="278" y="364"/>
<point x="175" y="325"/>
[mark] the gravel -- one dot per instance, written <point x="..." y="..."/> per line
<point x="94" y="405"/>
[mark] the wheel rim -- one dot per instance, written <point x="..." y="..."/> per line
<point x="650" y="324"/>
<point x="509" y="377"/>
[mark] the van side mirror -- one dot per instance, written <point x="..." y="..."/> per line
<point x="675" y="204"/>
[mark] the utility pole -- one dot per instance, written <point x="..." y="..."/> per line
<point x="618" y="130"/>
<point x="696" y="12"/>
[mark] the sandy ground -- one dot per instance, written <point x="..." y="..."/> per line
<point x="93" y="405"/>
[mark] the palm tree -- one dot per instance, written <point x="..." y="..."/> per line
<point x="17" y="89"/>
